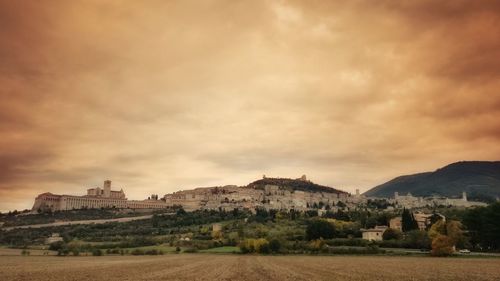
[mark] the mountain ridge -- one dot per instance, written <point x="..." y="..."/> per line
<point x="480" y="179"/>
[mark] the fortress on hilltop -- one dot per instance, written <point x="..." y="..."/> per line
<point x="268" y="193"/>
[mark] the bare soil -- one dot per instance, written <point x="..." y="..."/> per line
<point x="239" y="267"/>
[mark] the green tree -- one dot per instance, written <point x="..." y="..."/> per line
<point x="483" y="225"/>
<point x="97" y="252"/>
<point x="408" y="221"/>
<point x="275" y="245"/>
<point x="317" y="229"/>
<point x="392" y="234"/>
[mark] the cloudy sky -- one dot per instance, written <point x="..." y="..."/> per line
<point x="166" y="95"/>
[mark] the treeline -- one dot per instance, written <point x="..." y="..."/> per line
<point x="43" y="217"/>
<point x="483" y="227"/>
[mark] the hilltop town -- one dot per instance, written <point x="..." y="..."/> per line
<point x="269" y="215"/>
<point x="298" y="194"/>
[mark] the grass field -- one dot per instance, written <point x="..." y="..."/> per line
<point x="246" y="267"/>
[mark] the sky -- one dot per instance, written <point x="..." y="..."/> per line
<point x="160" y="96"/>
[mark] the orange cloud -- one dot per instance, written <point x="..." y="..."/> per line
<point x="160" y="96"/>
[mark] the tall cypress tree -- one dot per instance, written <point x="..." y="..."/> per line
<point x="408" y="221"/>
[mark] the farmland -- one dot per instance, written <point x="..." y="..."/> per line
<point x="246" y="267"/>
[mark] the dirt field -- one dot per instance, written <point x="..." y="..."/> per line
<point x="234" y="267"/>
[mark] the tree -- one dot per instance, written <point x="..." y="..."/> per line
<point x="274" y="245"/>
<point x="438" y="228"/>
<point x="442" y="246"/>
<point x="408" y="221"/>
<point x="255" y="245"/>
<point x="391" y="234"/>
<point x="317" y="229"/>
<point x="97" y="252"/>
<point x="455" y="233"/>
<point x="418" y="239"/>
<point x="339" y="215"/>
<point x="445" y="236"/>
<point x="483" y="224"/>
<point x="180" y="212"/>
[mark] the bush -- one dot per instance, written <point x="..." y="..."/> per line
<point x="191" y="250"/>
<point x="97" y="252"/>
<point x="392" y="234"/>
<point x="56" y="246"/>
<point x="137" y="252"/>
<point x="358" y="242"/>
<point x="274" y="245"/>
<point x="63" y="252"/>
<point x="317" y="245"/>
<point x="370" y="250"/>
<point x="152" y="252"/>
<point x="254" y="246"/>
<point x="317" y="229"/>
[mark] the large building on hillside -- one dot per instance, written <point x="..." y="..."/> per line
<point x="409" y="201"/>
<point x="282" y="194"/>
<point x="268" y="196"/>
<point x="96" y="198"/>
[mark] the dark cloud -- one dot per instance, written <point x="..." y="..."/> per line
<point x="163" y="95"/>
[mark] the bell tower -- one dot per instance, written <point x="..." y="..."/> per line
<point x="107" y="188"/>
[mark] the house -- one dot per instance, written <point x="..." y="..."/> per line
<point x="375" y="233"/>
<point x="423" y="220"/>
<point x="55" y="237"/>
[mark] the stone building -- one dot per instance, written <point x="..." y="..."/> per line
<point x="409" y="201"/>
<point x="96" y="198"/>
<point x="229" y="197"/>
<point x="423" y="220"/>
<point x="375" y="233"/>
<point x="244" y="197"/>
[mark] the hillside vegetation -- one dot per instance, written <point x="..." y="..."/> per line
<point x="480" y="179"/>
<point x="293" y="184"/>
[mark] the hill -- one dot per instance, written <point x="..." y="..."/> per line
<point x="480" y="179"/>
<point x="293" y="184"/>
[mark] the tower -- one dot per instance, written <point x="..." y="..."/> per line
<point x="357" y="192"/>
<point x="396" y="195"/>
<point x="464" y="196"/>
<point x="107" y="188"/>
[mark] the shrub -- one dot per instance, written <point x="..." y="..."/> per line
<point x="137" y="252"/>
<point x="274" y="245"/>
<point x="317" y="229"/>
<point x="255" y="246"/>
<point x="317" y="245"/>
<point x="152" y="252"/>
<point x="56" y="246"/>
<point x="391" y="234"/>
<point x="63" y="252"/>
<point x="97" y="252"/>
<point x="191" y="250"/>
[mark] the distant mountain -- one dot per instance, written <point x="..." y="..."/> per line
<point x="293" y="184"/>
<point x="480" y="179"/>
